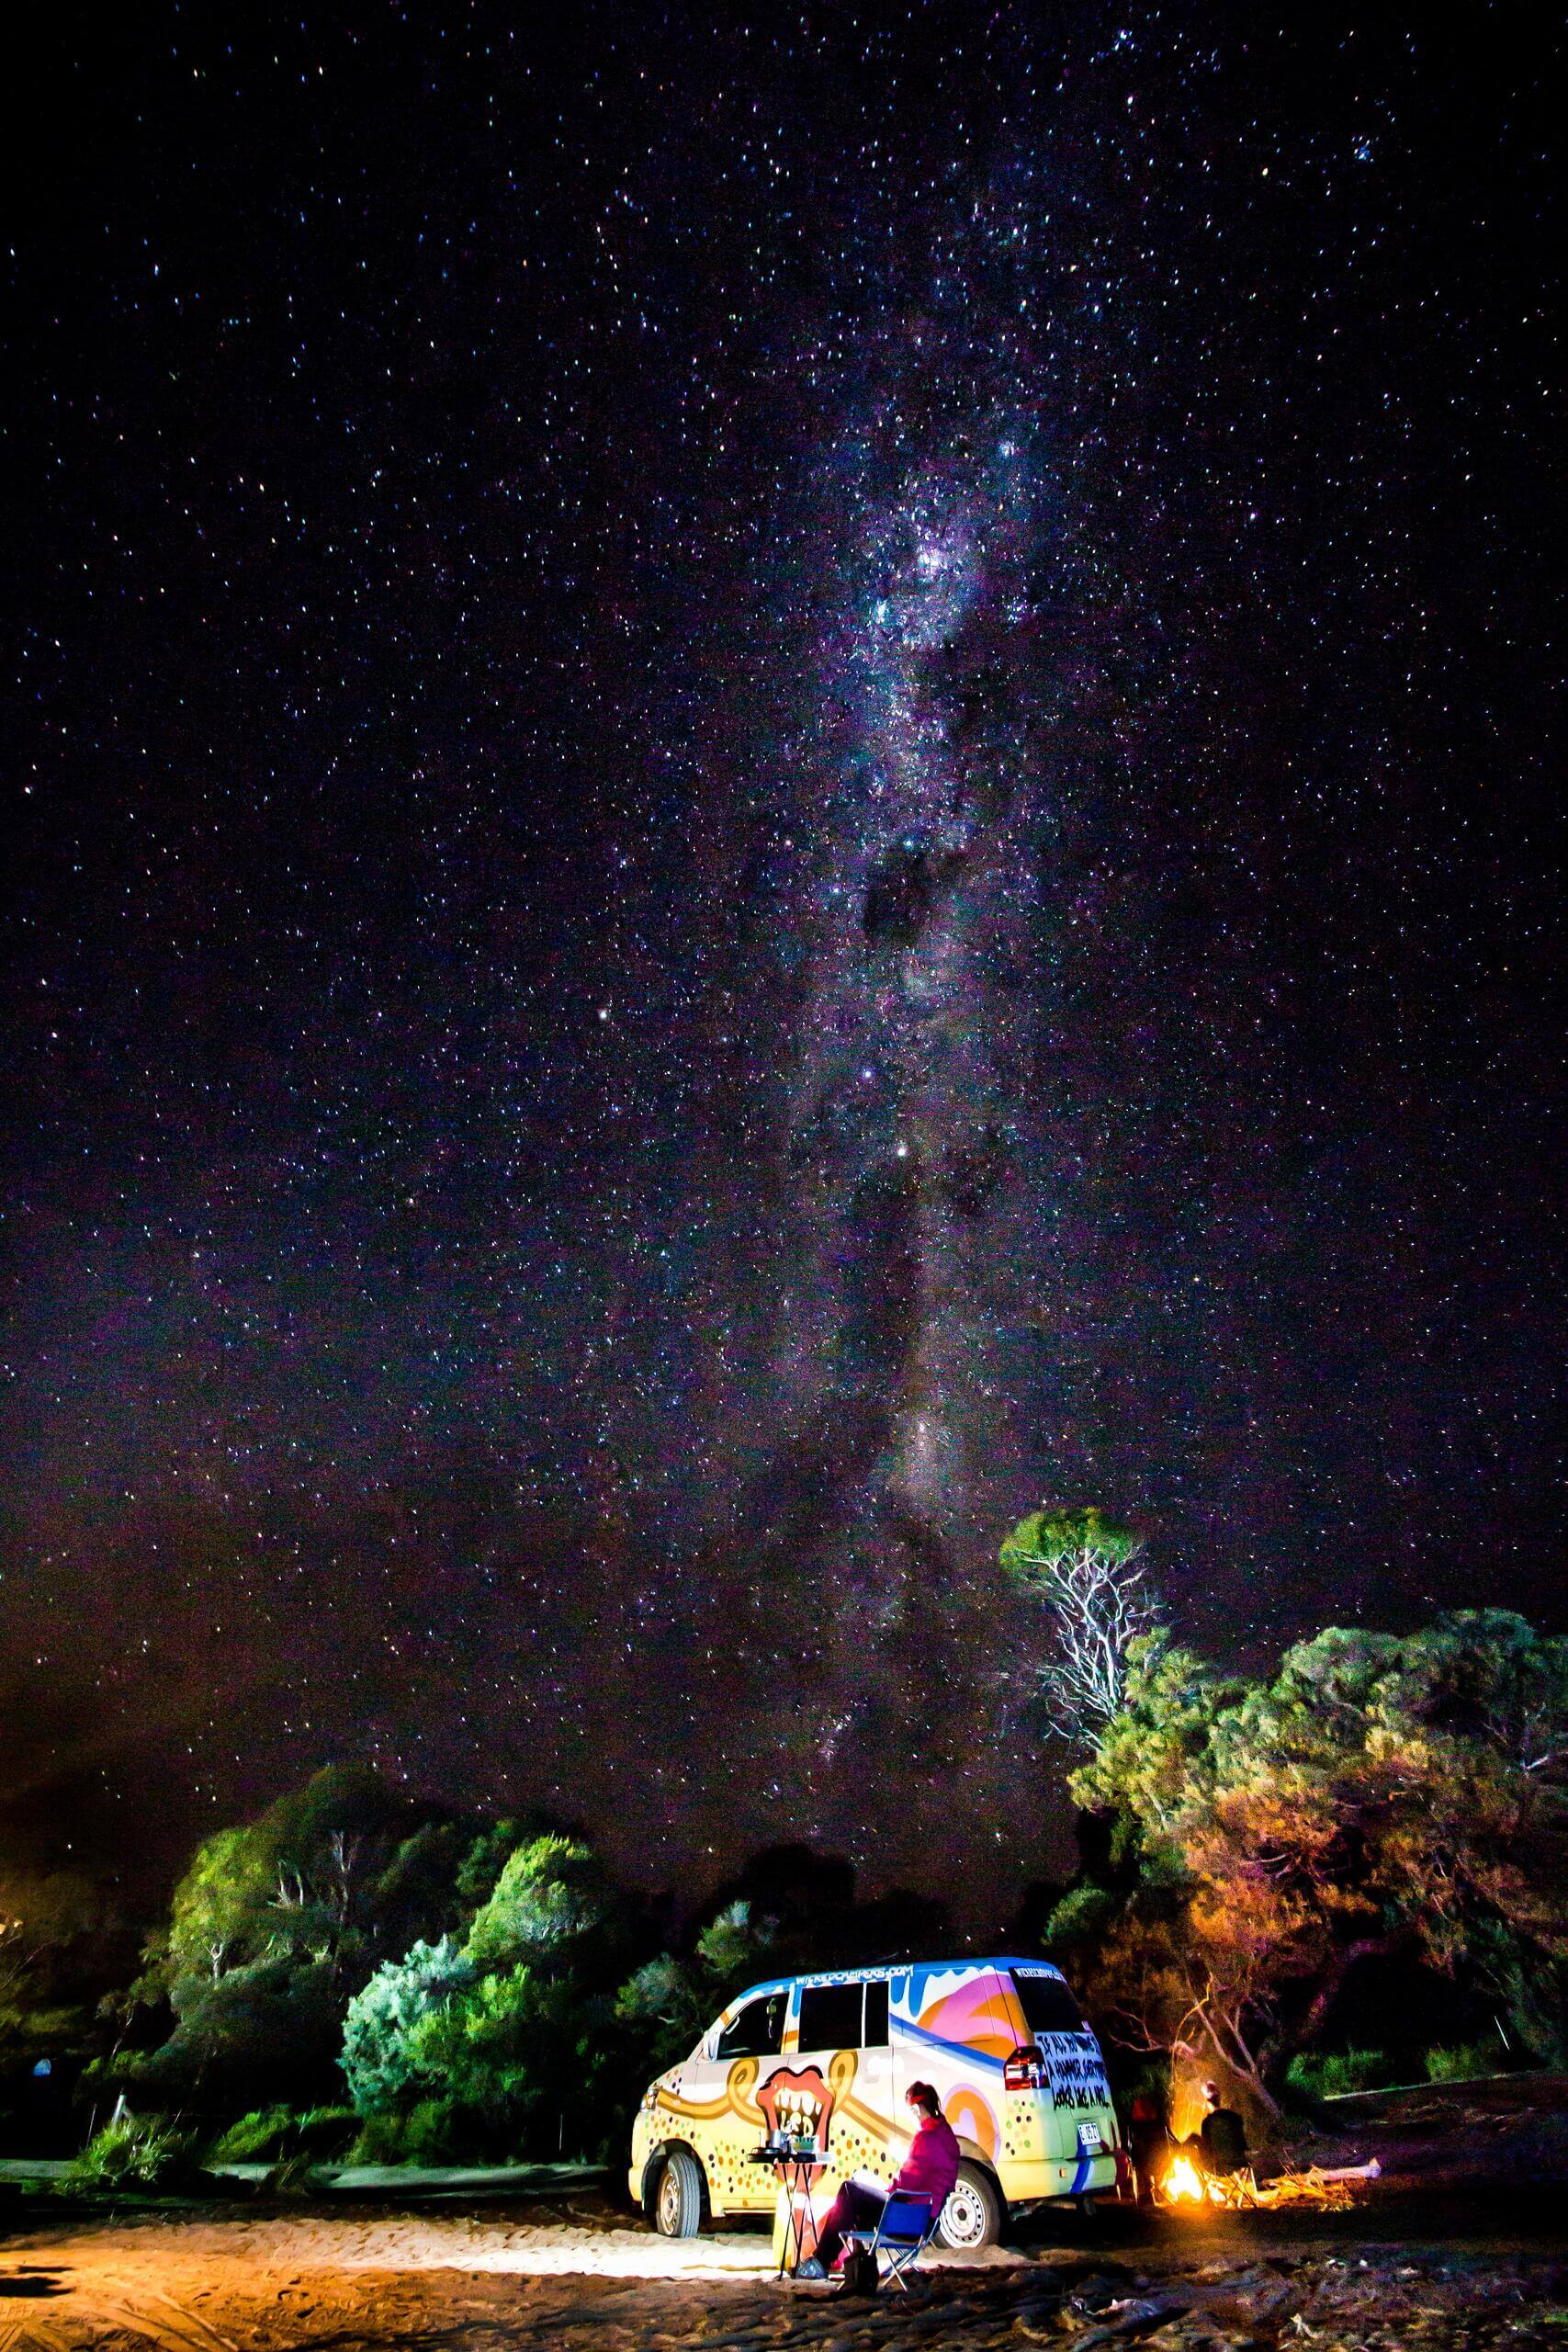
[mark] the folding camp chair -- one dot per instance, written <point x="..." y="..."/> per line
<point x="905" y="2229"/>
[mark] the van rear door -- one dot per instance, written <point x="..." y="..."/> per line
<point x="1076" y="2087"/>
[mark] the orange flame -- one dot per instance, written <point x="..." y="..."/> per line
<point x="1184" y="2184"/>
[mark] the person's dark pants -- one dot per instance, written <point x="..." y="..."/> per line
<point x="853" y="2209"/>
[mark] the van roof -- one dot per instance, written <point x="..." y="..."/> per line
<point x="972" y="1963"/>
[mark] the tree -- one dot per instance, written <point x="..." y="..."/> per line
<point x="483" y="2048"/>
<point x="669" y="2002"/>
<point x="551" y="1891"/>
<point x="1083" y="1569"/>
<point x="381" y="2061"/>
<point x="276" y="1923"/>
<point x="49" y="1928"/>
<point x="1381" y="1794"/>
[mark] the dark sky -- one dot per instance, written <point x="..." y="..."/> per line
<point x="776" y="780"/>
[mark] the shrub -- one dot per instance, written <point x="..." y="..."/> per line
<point x="1466" y="2060"/>
<point x="133" y="2152"/>
<point x="380" y="2062"/>
<point x="258" y="2138"/>
<point x="433" y="2132"/>
<point x="551" y="1893"/>
<point x="271" y="2134"/>
<point x="380" y="2139"/>
<point x="326" y="2131"/>
<point x="294" y="2176"/>
<point x="1329" y="2074"/>
<point x="436" y="2132"/>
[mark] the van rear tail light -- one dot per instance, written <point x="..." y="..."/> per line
<point x="1025" y="2070"/>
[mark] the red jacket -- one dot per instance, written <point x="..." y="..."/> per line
<point x="932" y="2165"/>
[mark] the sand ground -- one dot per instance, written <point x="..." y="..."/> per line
<point x="1461" y="2246"/>
<point x="229" y="2280"/>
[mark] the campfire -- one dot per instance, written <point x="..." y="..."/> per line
<point x="1185" y="2185"/>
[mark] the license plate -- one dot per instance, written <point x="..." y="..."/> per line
<point x="1091" y="2141"/>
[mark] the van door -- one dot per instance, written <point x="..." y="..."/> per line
<point x="840" y="2082"/>
<point x="709" y="2117"/>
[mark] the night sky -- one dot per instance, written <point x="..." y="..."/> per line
<point x="775" y="781"/>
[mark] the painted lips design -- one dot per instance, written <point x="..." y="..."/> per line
<point x="799" y="2103"/>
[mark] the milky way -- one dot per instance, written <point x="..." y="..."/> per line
<point x="778" y="786"/>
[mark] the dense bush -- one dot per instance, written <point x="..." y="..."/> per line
<point x="497" y="2048"/>
<point x="1330" y="2074"/>
<point x="257" y="2138"/>
<point x="277" y="1923"/>
<point x="271" y="2134"/>
<point x="1467" y="2060"/>
<point x="134" y="2152"/>
<point x="381" y="2061"/>
<point x="551" y="1893"/>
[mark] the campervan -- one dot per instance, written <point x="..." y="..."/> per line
<point x="827" y="2060"/>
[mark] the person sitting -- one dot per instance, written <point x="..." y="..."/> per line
<point x="929" y="2170"/>
<point x="1222" y="2136"/>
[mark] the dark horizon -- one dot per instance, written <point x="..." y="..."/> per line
<point x="775" y="787"/>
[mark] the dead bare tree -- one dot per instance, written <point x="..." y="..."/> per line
<point x="1086" y="1572"/>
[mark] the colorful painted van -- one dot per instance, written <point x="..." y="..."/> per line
<point x="1020" y="2078"/>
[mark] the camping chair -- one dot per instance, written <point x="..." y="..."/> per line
<point x="906" y="2227"/>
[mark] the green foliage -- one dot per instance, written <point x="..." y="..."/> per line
<point x="1040" y="1544"/>
<point x="1467" y="2061"/>
<point x="380" y="2139"/>
<point x="665" y="2005"/>
<point x="279" y="1922"/>
<point x="487" y="1855"/>
<point x="271" y="2025"/>
<point x="1081" y="1918"/>
<point x="551" y="1893"/>
<point x="257" y="2138"/>
<point x="1381" y="1794"/>
<point x="509" y="2057"/>
<point x="133" y="2152"/>
<point x="380" y="2061"/>
<point x="485" y="2051"/>
<point x="1330" y="2074"/>
<point x="270" y="2135"/>
<point x="436" y="2132"/>
<point x="325" y="2132"/>
<point x="51" y="1929"/>
<point x="293" y="2174"/>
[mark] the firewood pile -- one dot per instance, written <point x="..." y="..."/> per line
<point x="1325" y="2192"/>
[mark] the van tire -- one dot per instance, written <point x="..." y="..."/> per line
<point x="972" y="2216"/>
<point x="678" y="2200"/>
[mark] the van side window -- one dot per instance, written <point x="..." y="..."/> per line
<point x="1048" y="2006"/>
<point x="877" y="2015"/>
<point x="757" y="2030"/>
<point x="830" y="2017"/>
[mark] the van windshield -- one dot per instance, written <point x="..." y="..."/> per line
<point x="1048" y="2006"/>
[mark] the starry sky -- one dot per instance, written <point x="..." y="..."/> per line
<point x="775" y="779"/>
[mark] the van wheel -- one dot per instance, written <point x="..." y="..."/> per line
<point x="678" y="2200"/>
<point x="972" y="2216"/>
